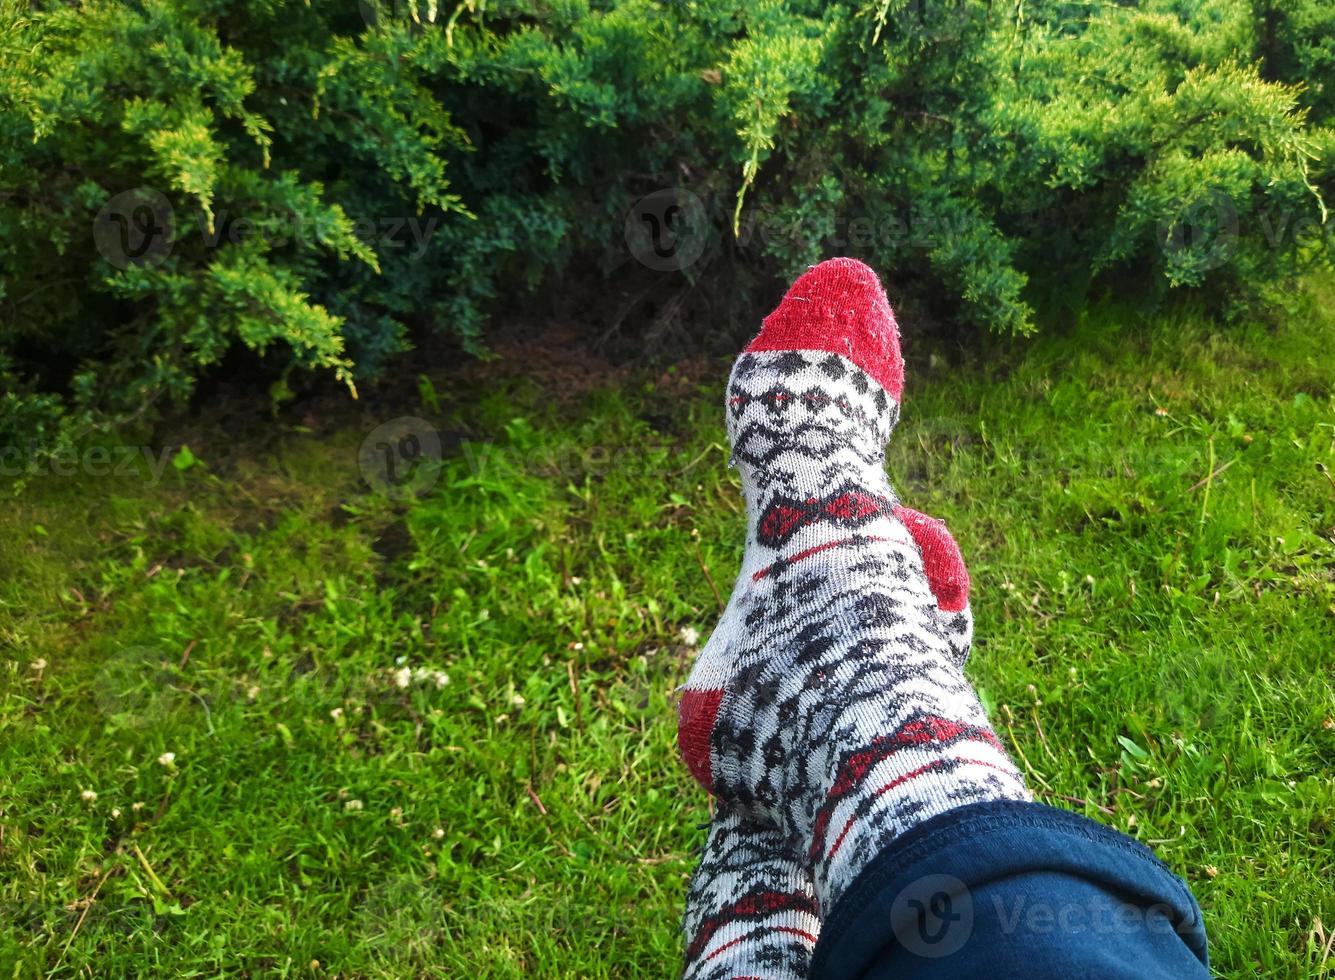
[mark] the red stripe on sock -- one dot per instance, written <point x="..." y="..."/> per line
<point x="900" y="781"/>
<point x="730" y="942"/>
<point x="918" y="731"/>
<point x="756" y="905"/>
<point x="922" y="731"/>
<point x="814" y="550"/>
<point x="733" y="942"/>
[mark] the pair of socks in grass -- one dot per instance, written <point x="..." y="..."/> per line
<point x="828" y="713"/>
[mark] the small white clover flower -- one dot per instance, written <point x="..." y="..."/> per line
<point x="168" y="760"/>
<point x="690" y="636"/>
<point x="88" y="796"/>
<point x="441" y="678"/>
<point x="353" y="805"/>
<point x="403" y="677"/>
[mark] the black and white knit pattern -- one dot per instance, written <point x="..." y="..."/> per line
<point x="840" y="716"/>
<point x="957" y="627"/>
<point x="751" y="911"/>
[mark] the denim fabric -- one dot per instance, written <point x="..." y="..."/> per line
<point x="1007" y="890"/>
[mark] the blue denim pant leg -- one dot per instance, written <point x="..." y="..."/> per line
<point x="1008" y="890"/>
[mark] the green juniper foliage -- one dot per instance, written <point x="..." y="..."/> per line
<point x="288" y="154"/>
<point x="1296" y="41"/>
<point x="338" y="177"/>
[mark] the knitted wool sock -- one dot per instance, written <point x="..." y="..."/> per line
<point x="829" y="704"/>
<point x="750" y="911"/>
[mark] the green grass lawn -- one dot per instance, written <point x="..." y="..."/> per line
<point x="330" y="733"/>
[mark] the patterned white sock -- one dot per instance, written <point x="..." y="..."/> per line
<point x="751" y="912"/>
<point x="829" y="704"/>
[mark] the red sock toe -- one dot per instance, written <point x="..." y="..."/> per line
<point x="839" y="306"/>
